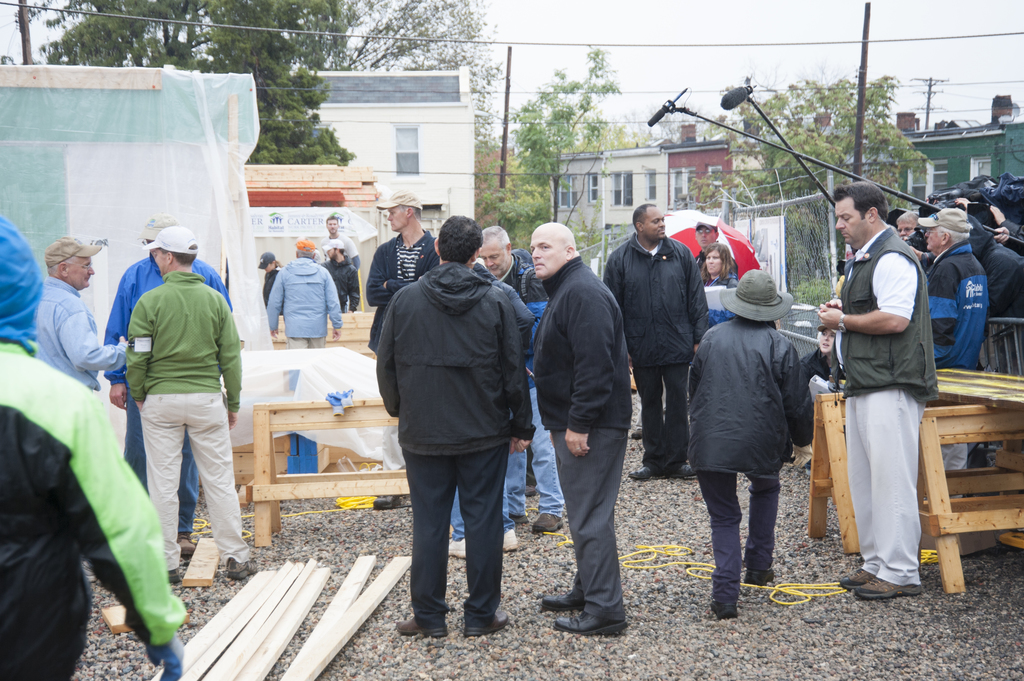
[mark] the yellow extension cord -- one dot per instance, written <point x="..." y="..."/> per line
<point x="803" y="592"/>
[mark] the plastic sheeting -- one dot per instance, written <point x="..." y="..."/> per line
<point x="93" y="152"/>
<point x="301" y="375"/>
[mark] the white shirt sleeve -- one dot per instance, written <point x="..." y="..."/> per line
<point x="895" y="285"/>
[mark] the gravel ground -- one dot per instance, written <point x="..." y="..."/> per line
<point x="672" y="633"/>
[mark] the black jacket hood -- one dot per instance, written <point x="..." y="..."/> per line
<point x="453" y="288"/>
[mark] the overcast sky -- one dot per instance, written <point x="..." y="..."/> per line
<point x="648" y="76"/>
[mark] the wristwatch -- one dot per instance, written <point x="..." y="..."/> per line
<point x="842" y="324"/>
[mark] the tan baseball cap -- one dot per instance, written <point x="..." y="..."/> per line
<point x="953" y="219"/>
<point x="402" y="197"/>
<point x="68" y="247"/>
<point x="155" y="224"/>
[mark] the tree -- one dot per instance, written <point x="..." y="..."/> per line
<point x="563" y="121"/>
<point x="287" y="97"/>
<point x="519" y="207"/>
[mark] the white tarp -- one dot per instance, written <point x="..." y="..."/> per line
<point x="304" y="375"/>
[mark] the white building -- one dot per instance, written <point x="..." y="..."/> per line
<point x="603" y="188"/>
<point x="414" y="128"/>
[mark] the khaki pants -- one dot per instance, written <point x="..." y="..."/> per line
<point x="164" y="419"/>
<point x="303" y="343"/>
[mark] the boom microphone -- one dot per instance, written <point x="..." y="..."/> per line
<point x="733" y="98"/>
<point x="659" y="115"/>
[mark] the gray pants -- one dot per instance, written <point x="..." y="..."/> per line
<point x="590" y="484"/>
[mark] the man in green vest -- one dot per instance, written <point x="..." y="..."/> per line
<point x="884" y="344"/>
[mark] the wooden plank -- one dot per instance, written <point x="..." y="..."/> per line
<point x="277" y="639"/>
<point x="821" y="482"/>
<point x="332" y="641"/>
<point x="1010" y="460"/>
<point x="323" y="490"/>
<point x="983" y="484"/>
<point x="285" y="576"/>
<point x="114" y="617"/>
<point x="342" y="477"/>
<point x="937" y="493"/>
<point x="976" y="521"/>
<point x="215" y="628"/>
<point x="282" y="407"/>
<point x="340" y="604"/>
<point x="262" y="454"/>
<point x="259" y="627"/>
<point x="833" y="416"/>
<point x="203" y="566"/>
<point x="321" y="416"/>
<point x="81" y="78"/>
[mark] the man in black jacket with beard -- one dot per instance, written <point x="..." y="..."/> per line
<point x="658" y="287"/>
<point x="582" y="377"/>
<point x="450" y="367"/>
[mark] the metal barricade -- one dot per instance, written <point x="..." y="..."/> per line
<point x="1003" y="349"/>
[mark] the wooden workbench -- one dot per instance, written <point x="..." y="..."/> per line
<point x="972" y="407"/>
<point x="269" y="488"/>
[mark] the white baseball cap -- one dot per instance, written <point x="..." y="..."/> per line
<point x="175" y="239"/>
<point x="334" y="243"/>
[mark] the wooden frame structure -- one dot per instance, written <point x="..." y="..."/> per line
<point x="972" y="407"/>
<point x="269" y="488"/>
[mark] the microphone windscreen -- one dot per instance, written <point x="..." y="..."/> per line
<point x="733" y="98"/>
<point x="657" y="116"/>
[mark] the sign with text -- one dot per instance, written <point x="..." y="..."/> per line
<point x="308" y="221"/>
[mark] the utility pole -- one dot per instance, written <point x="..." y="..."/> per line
<point x="862" y="81"/>
<point x="504" y="133"/>
<point x="26" y="38"/>
<point x="928" y="101"/>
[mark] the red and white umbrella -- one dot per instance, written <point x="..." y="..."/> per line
<point x="681" y="225"/>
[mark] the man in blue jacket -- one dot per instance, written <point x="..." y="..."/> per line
<point x="307" y="294"/>
<point x="957" y="302"/>
<point x="138" y="279"/>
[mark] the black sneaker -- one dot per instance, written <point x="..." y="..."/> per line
<point x="387" y="503"/>
<point x="759" y="577"/>
<point x="236" y="570"/>
<point x="724" y="611"/>
<point x="684" y="472"/>
<point x="174" y="576"/>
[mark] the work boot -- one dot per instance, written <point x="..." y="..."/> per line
<point x="759" y="577"/>
<point x="185" y="542"/>
<point x="386" y="503"/>
<point x="236" y="570"/>
<point x="174" y="576"/>
<point x="547" y="522"/>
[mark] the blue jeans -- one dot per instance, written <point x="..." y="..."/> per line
<point x="135" y="455"/>
<point x="544" y="467"/>
<point x="459" y="526"/>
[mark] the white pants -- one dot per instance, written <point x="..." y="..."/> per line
<point x="393" y="458"/>
<point x="882" y="433"/>
<point x="954" y="457"/>
<point x="164" y="418"/>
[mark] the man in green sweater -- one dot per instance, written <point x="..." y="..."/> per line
<point x="183" y="339"/>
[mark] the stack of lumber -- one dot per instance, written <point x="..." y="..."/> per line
<point x="246" y="638"/>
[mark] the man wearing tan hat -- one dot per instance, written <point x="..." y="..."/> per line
<point x="957" y="301"/>
<point x="396" y="264"/>
<point x="66" y="327"/>
<point x="138" y="279"/>
<point x="306" y="294"/>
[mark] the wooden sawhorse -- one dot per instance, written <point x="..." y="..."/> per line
<point x="941" y="516"/>
<point x="269" y="488"/>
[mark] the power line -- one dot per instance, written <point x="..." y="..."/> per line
<point x="368" y="36"/>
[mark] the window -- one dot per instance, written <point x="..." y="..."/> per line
<point x="939" y="175"/>
<point x="981" y="166"/>
<point x="622" y="189"/>
<point x="565" y="192"/>
<point x="652" y="185"/>
<point x="918" y="184"/>
<point x="681" y="183"/>
<point x="593" y="188"/>
<point x="407" y="150"/>
<point x="716" y="175"/>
